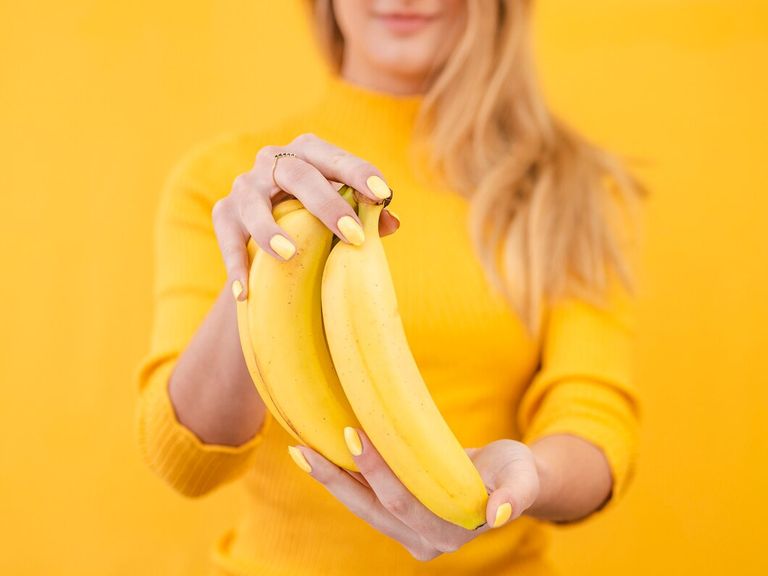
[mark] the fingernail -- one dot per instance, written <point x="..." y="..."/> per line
<point x="351" y="230"/>
<point x="378" y="187"/>
<point x="503" y="514"/>
<point x="299" y="459"/>
<point x="352" y="438"/>
<point x="394" y="215"/>
<point x="237" y="289"/>
<point x="282" y="246"/>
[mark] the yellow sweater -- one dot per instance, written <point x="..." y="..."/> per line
<point x="488" y="378"/>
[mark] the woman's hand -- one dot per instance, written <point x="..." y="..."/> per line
<point x="375" y="494"/>
<point x="247" y="210"/>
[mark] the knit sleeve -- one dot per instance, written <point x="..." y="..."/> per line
<point x="586" y="384"/>
<point x="189" y="273"/>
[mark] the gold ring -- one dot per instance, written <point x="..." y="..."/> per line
<point x="277" y="157"/>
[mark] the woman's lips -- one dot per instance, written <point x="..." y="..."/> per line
<point x="404" y="23"/>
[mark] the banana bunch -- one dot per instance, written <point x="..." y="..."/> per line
<point x="326" y="348"/>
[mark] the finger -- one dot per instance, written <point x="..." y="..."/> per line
<point x="337" y="164"/>
<point x="361" y="501"/>
<point x="232" y="238"/>
<point x="396" y="498"/>
<point x="359" y="477"/>
<point x="388" y="223"/>
<point x="305" y="182"/>
<point x="256" y="215"/>
<point x="517" y="492"/>
<point x="509" y="471"/>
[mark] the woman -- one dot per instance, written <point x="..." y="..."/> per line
<point x="512" y="273"/>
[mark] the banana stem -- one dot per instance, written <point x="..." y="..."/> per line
<point x="348" y="194"/>
<point x="369" y="216"/>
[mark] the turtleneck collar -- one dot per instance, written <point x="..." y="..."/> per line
<point x="338" y="83"/>
<point x="358" y="106"/>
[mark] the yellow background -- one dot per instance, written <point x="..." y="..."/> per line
<point x="98" y="100"/>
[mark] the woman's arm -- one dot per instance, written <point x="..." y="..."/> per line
<point x="198" y="417"/>
<point x="210" y="388"/>
<point x="574" y="478"/>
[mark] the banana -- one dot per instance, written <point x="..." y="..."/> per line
<point x="384" y="386"/>
<point x="244" y="332"/>
<point x="281" y="333"/>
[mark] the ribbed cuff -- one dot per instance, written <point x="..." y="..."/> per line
<point x="189" y="465"/>
<point x="596" y="412"/>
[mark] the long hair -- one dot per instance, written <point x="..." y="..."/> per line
<point x="549" y="212"/>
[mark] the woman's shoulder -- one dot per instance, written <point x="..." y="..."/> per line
<point x="235" y="147"/>
<point x="210" y="165"/>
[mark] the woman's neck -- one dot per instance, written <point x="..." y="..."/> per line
<point x="356" y="70"/>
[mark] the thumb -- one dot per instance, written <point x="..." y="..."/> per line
<point x="509" y="471"/>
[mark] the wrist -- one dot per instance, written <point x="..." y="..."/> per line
<point x="550" y="482"/>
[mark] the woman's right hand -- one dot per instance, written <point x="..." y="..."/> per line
<point x="247" y="211"/>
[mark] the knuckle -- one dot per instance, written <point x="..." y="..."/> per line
<point x="397" y="505"/>
<point x="219" y="210"/>
<point x="360" y="508"/>
<point x="340" y="158"/>
<point x="323" y="475"/>
<point x="241" y="182"/>
<point x="365" y="169"/>
<point x="231" y="251"/>
<point x="447" y="547"/>
<point x="267" y="152"/>
<point x="352" y="166"/>
<point x="424" y="553"/>
<point x="237" y="272"/>
<point x="304" y="139"/>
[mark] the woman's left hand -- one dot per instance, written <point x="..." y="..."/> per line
<point x="376" y="495"/>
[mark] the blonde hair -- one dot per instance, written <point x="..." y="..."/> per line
<point x="539" y="193"/>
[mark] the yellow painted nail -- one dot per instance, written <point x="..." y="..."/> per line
<point x="299" y="459"/>
<point x="351" y="230"/>
<point x="503" y="513"/>
<point x="352" y="438"/>
<point x="282" y="246"/>
<point x="237" y="289"/>
<point x="378" y="187"/>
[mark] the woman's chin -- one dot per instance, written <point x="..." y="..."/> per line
<point x="396" y="63"/>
